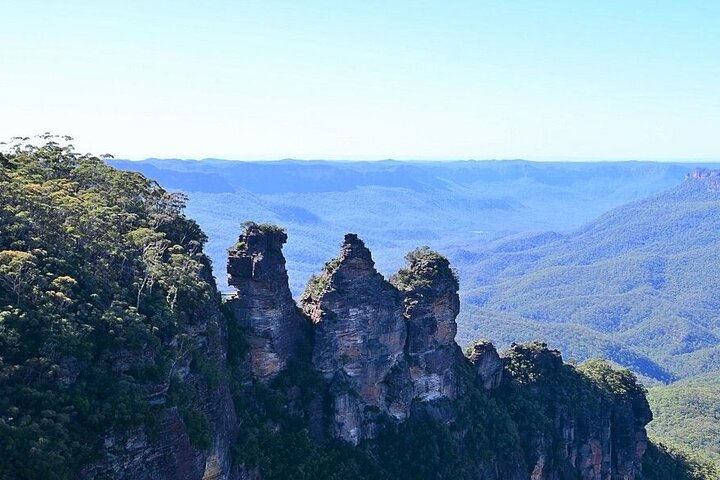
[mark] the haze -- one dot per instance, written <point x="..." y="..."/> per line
<point x="366" y="80"/>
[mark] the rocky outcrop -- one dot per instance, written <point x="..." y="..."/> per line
<point x="709" y="177"/>
<point x="431" y="304"/>
<point x="381" y="353"/>
<point x="488" y="364"/>
<point x="383" y="346"/>
<point x="263" y="305"/>
<point x="700" y="173"/>
<point x="386" y="351"/>
<point x="596" y="416"/>
<point x="359" y="337"/>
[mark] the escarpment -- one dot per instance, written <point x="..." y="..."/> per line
<point x="364" y="377"/>
<point x="119" y="360"/>
<point x="195" y="438"/>
<point x="587" y="423"/>
<point x="386" y="360"/>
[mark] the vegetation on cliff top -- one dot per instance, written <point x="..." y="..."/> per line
<point x="98" y="270"/>
<point x="318" y="283"/>
<point x="423" y="267"/>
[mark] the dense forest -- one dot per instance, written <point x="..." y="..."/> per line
<point x="686" y="415"/>
<point x="94" y="263"/>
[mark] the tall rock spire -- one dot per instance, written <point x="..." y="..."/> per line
<point x="359" y="335"/>
<point x="263" y="303"/>
<point x="431" y="304"/>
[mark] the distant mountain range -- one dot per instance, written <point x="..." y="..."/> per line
<point x="636" y="285"/>
<point x="396" y="206"/>
<point x="639" y="284"/>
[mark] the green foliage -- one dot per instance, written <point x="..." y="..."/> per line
<point x="267" y="228"/>
<point x="319" y="283"/>
<point x="686" y="413"/>
<point x="638" y="282"/>
<point x="617" y="381"/>
<point x="96" y="265"/>
<point x="275" y="436"/>
<point x="424" y="266"/>
<point x="663" y="461"/>
<point x="423" y="448"/>
<point x="270" y="228"/>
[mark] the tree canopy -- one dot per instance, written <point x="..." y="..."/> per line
<point x="95" y="263"/>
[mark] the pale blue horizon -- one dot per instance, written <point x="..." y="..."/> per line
<point x="366" y="80"/>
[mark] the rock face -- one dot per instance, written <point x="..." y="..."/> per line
<point x="383" y="346"/>
<point x="700" y="173"/>
<point x="378" y="355"/>
<point x="431" y="304"/>
<point x="487" y="363"/>
<point x="710" y="178"/>
<point x="264" y="305"/>
<point x="596" y="434"/>
<point x="359" y="337"/>
<point x="386" y="349"/>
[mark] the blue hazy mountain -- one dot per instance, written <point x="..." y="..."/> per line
<point x="397" y="205"/>
<point x="638" y="285"/>
<point x="533" y="260"/>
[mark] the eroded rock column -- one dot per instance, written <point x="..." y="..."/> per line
<point x="359" y="337"/>
<point x="263" y="304"/>
<point x="431" y="305"/>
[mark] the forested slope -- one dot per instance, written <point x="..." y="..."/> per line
<point x="644" y="277"/>
<point x="106" y="302"/>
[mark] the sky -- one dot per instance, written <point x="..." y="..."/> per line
<point x="552" y="80"/>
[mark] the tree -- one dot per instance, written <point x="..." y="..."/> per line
<point x="17" y="271"/>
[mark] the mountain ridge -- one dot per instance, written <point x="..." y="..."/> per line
<point x="647" y="251"/>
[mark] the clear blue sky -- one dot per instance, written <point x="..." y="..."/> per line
<point x="366" y="79"/>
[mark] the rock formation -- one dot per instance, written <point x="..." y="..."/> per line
<point x="487" y="363"/>
<point x="382" y="345"/>
<point x="359" y="337"/>
<point x="597" y="428"/>
<point x="374" y="355"/>
<point x="431" y="304"/>
<point x="386" y="351"/>
<point x="709" y="177"/>
<point x="264" y="305"/>
<point x="700" y="173"/>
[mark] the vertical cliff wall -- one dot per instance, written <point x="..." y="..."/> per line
<point x="586" y="423"/>
<point x="382" y="345"/>
<point x="366" y="373"/>
<point x="386" y="354"/>
<point x="195" y="426"/>
<point x="263" y="305"/>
